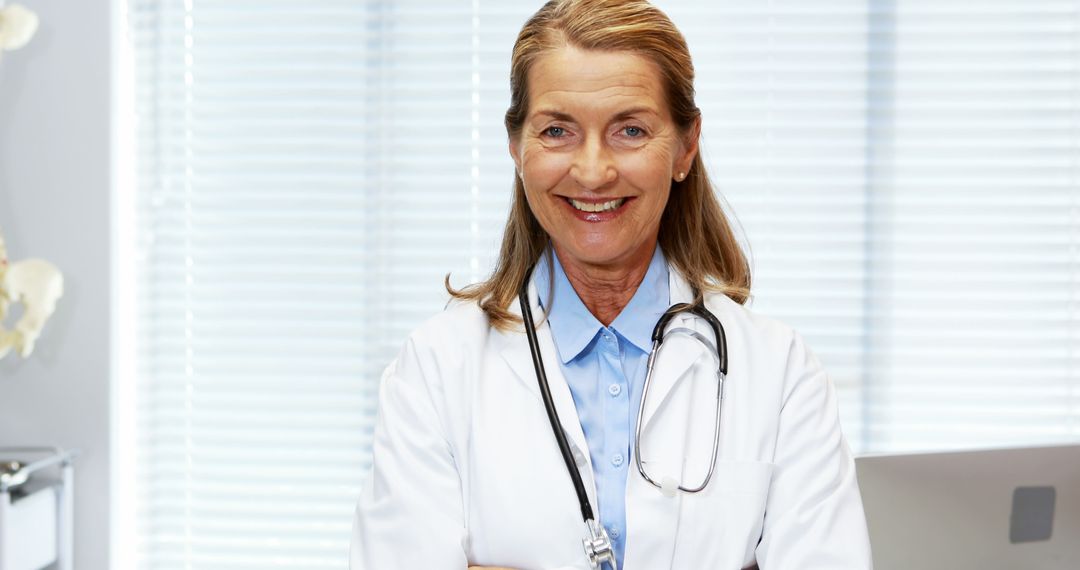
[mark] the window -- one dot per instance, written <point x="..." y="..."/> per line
<point x="906" y="173"/>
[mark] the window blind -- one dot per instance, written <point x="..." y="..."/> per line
<point x="308" y="174"/>
<point x="904" y="173"/>
<point x="973" y="183"/>
<point x="782" y="90"/>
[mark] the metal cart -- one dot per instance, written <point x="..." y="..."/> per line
<point x="36" y="491"/>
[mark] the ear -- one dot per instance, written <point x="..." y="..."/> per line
<point x="515" y="153"/>
<point x="690" y="148"/>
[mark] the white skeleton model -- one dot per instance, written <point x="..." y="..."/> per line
<point x="38" y="285"/>
<point x="17" y="26"/>
<point x="35" y="283"/>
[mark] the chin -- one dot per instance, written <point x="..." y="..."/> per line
<point x="595" y="254"/>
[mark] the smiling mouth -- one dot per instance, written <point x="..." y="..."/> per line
<point x="609" y="206"/>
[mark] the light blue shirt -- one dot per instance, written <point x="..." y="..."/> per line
<point x="605" y="368"/>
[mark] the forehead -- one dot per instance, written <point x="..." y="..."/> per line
<point x="574" y="80"/>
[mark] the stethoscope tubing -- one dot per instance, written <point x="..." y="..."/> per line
<point x="549" y="404"/>
<point x="699" y="310"/>
<point x="641" y="413"/>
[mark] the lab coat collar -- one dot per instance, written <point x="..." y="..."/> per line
<point x="515" y="351"/>
<point x="677" y="354"/>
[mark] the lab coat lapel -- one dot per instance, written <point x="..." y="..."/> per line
<point x="679" y="352"/>
<point x="652" y="517"/>
<point x="518" y="356"/>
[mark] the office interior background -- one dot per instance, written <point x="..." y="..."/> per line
<point x="253" y="202"/>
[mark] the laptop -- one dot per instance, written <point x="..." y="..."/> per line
<point x="1000" y="509"/>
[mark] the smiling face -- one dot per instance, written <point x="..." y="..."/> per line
<point x="597" y="155"/>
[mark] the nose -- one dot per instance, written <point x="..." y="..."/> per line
<point x="593" y="166"/>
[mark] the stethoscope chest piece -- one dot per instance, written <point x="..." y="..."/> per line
<point x="598" y="546"/>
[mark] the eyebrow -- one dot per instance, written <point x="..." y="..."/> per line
<point x="634" y="111"/>
<point x="560" y="116"/>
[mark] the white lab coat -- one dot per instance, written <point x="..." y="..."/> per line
<point x="466" y="470"/>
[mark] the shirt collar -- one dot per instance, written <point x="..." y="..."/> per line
<point x="574" y="327"/>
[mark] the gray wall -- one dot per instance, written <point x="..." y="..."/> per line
<point x="54" y="204"/>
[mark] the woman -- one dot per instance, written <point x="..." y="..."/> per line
<point x="614" y="209"/>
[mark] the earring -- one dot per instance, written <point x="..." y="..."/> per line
<point x="681" y="176"/>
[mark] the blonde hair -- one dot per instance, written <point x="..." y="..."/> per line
<point x="694" y="232"/>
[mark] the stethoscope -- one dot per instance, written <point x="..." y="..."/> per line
<point x="597" y="544"/>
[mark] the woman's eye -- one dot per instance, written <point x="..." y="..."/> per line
<point x="554" y="132"/>
<point x="633" y="131"/>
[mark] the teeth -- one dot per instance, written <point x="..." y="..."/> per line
<point x="602" y="207"/>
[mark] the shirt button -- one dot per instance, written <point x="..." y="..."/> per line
<point x="617" y="460"/>
<point x="614" y="390"/>
<point x="613" y="532"/>
<point x="579" y="458"/>
<point x="608" y="337"/>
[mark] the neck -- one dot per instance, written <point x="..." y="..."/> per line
<point x="606" y="289"/>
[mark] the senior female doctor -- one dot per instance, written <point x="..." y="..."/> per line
<point x="613" y="220"/>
